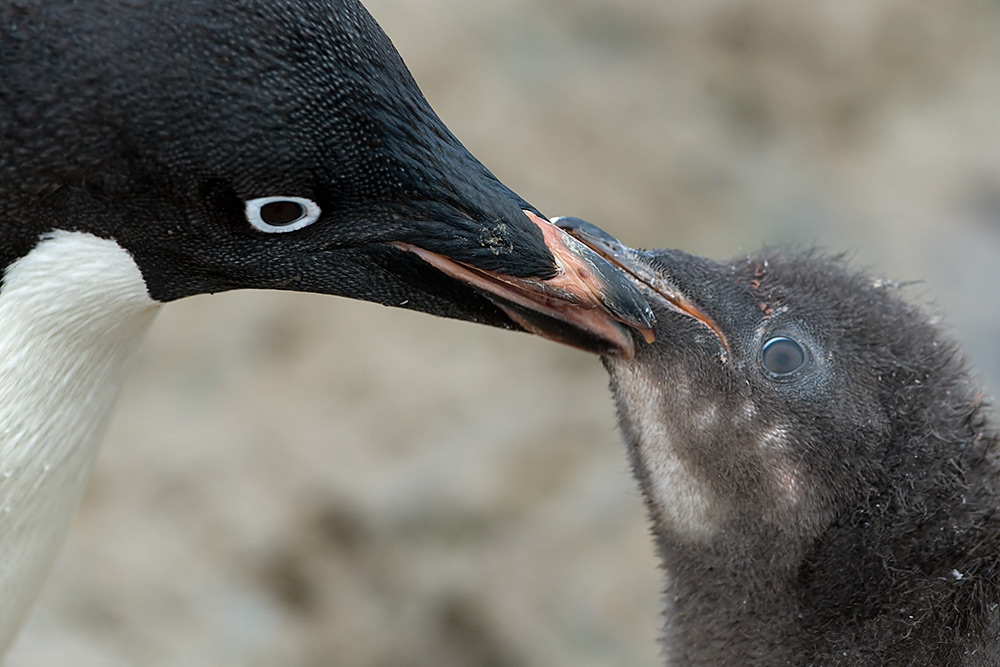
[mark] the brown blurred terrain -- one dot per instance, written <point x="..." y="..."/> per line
<point x="296" y="480"/>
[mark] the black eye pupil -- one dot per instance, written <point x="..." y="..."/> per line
<point x="782" y="356"/>
<point x="281" y="213"/>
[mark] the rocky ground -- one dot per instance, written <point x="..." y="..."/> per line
<point x="305" y="481"/>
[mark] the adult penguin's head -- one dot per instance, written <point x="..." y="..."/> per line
<point x="279" y="144"/>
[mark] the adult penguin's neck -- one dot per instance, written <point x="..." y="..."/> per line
<point x="73" y="314"/>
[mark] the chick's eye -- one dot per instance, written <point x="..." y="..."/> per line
<point x="782" y="356"/>
<point x="281" y="214"/>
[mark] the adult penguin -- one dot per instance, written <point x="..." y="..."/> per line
<point x="155" y="150"/>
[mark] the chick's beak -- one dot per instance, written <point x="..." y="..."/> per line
<point x="656" y="281"/>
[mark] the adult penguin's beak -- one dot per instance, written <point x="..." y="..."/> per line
<point x="588" y="303"/>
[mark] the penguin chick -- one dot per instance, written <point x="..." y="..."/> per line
<point x="819" y="471"/>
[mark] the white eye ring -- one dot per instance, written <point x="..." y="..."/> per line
<point x="277" y="215"/>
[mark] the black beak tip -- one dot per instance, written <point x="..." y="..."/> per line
<point x="590" y="234"/>
<point x="623" y="298"/>
<point x="604" y="252"/>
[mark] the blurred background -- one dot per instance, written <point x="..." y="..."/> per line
<point x="296" y="480"/>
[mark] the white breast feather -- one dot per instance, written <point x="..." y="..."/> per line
<point x="73" y="313"/>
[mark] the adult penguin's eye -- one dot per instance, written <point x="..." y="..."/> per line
<point x="276" y="215"/>
<point x="781" y="356"/>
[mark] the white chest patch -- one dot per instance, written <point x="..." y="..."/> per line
<point x="684" y="504"/>
<point x="73" y="313"/>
